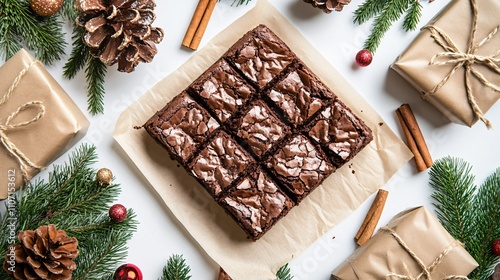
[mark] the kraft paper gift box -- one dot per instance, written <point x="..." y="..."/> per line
<point x="38" y="121"/>
<point x="454" y="61"/>
<point x="413" y="242"/>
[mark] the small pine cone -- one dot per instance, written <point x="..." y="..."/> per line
<point x="119" y="31"/>
<point x="45" y="253"/>
<point x="329" y="5"/>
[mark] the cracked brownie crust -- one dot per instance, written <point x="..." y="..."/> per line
<point x="259" y="131"/>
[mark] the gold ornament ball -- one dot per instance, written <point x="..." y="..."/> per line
<point x="104" y="176"/>
<point x="46" y="8"/>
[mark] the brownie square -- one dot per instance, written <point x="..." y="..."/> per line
<point x="220" y="163"/>
<point x="181" y="126"/>
<point x="256" y="203"/>
<point x="260" y="55"/>
<point x="260" y="128"/>
<point x="222" y="89"/>
<point x="300" y="95"/>
<point x="340" y="133"/>
<point x="300" y="166"/>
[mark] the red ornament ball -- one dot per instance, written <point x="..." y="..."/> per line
<point x="364" y="58"/>
<point x="46" y="8"/>
<point x="495" y="247"/>
<point x="117" y="213"/>
<point x="128" y="272"/>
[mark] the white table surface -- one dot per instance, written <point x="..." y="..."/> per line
<point x="160" y="235"/>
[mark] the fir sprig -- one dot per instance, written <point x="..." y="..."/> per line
<point x="176" y="269"/>
<point x="469" y="213"/>
<point x="73" y="201"/>
<point x="284" y="273"/>
<point x="386" y="12"/>
<point x="19" y="26"/>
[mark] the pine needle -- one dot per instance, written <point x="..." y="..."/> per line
<point x="413" y="16"/>
<point x="468" y="213"/>
<point x="284" y="273"/>
<point x="367" y="10"/>
<point x="176" y="269"/>
<point x="95" y="74"/>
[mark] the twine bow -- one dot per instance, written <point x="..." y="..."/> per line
<point x="24" y="162"/>
<point x="453" y="55"/>
<point x="426" y="270"/>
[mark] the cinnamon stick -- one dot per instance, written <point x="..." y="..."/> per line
<point x="419" y="161"/>
<point x="198" y="24"/>
<point x="408" y="118"/>
<point x="370" y="222"/>
<point x="195" y="22"/>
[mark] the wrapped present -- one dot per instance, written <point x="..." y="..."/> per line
<point x="38" y="121"/>
<point x="454" y="61"/>
<point x="414" y="245"/>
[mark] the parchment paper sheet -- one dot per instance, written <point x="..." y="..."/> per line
<point x="216" y="232"/>
<point x="62" y="125"/>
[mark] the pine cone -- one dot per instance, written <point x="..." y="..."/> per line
<point x="45" y="253"/>
<point x="329" y="5"/>
<point x="119" y="31"/>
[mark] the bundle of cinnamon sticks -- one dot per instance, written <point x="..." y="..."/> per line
<point x="198" y="24"/>
<point x="414" y="137"/>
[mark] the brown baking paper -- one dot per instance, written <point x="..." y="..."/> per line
<point x="456" y="20"/>
<point x="44" y="139"/>
<point x="383" y="256"/>
<point x="216" y="232"/>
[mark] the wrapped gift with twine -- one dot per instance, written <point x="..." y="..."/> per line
<point x="38" y="121"/>
<point x="454" y="62"/>
<point x="413" y="246"/>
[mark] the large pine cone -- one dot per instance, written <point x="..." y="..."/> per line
<point x="45" y="253"/>
<point x="119" y="31"/>
<point x="329" y="5"/>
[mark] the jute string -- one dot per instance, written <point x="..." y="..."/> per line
<point x="426" y="270"/>
<point x="453" y="55"/>
<point x="24" y="162"/>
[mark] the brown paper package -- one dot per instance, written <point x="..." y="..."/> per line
<point x="423" y="234"/>
<point x="62" y="125"/>
<point x="451" y="99"/>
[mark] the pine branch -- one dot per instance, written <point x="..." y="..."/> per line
<point x="284" y="273"/>
<point x="367" y="10"/>
<point x="468" y="213"/>
<point x="486" y="207"/>
<point x="20" y="25"/>
<point x="386" y="12"/>
<point x="95" y="72"/>
<point x="68" y="11"/>
<point x="413" y="16"/>
<point x="73" y="201"/>
<point x="176" y="269"/>
<point x="392" y="11"/>
<point x="454" y="188"/>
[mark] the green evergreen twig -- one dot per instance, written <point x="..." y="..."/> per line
<point x="19" y="26"/>
<point x="73" y="201"/>
<point x="468" y="213"/>
<point x="284" y="273"/>
<point x="176" y="269"/>
<point x="385" y="13"/>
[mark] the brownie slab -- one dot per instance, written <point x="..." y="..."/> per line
<point x="181" y="126"/>
<point x="220" y="163"/>
<point x="260" y="55"/>
<point x="300" y="95"/>
<point x="340" y="133"/>
<point x="259" y="131"/>
<point x="223" y="90"/>
<point x="260" y="128"/>
<point x="256" y="203"/>
<point x="300" y="166"/>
